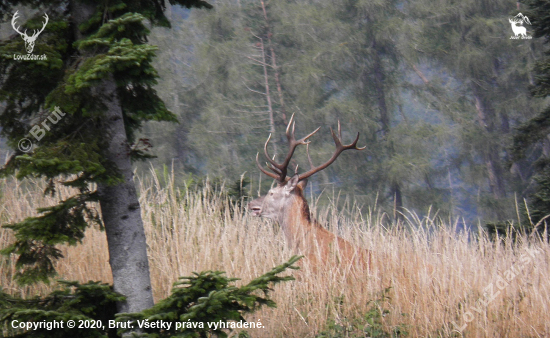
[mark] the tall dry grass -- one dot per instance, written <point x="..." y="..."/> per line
<point x="193" y="231"/>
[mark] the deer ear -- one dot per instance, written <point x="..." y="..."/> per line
<point x="292" y="183"/>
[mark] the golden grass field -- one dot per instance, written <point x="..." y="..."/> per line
<point x="188" y="232"/>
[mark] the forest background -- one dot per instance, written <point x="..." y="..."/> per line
<point x="435" y="88"/>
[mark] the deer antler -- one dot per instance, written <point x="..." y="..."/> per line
<point x="13" y="23"/>
<point x="280" y="170"/>
<point x="339" y="149"/>
<point x="43" y="26"/>
<point x="13" y="20"/>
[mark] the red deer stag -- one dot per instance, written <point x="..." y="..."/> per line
<point x="287" y="205"/>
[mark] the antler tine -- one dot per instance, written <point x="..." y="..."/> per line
<point x="43" y="25"/>
<point x="265" y="150"/>
<point x="272" y="175"/>
<point x="354" y="144"/>
<point x="339" y="149"/>
<point x="13" y="22"/>
<point x="274" y="169"/>
<point x="290" y="122"/>
<point x="292" y="143"/>
<point x="281" y="169"/>
<point x="272" y="165"/>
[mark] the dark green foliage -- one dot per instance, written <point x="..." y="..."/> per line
<point x="504" y="230"/>
<point x="539" y="203"/>
<point x="236" y="192"/>
<point x="530" y="139"/>
<point x="210" y="297"/>
<point x="460" y="38"/>
<point x="539" y="13"/>
<point x="37" y="237"/>
<point x="78" y="302"/>
<point x="110" y="45"/>
<point x="206" y="297"/>
<point x="532" y="133"/>
<point x="371" y="325"/>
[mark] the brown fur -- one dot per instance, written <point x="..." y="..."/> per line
<point x="319" y="245"/>
<point x="287" y="205"/>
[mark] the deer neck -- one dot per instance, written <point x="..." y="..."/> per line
<point x="296" y="222"/>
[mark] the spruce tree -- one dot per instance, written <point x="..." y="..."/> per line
<point x="531" y="140"/>
<point x="71" y="116"/>
<point x="469" y="42"/>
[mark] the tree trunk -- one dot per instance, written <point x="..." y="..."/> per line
<point x="121" y="215"/>
<point x="397" y="202"/>
<point x="385" y="122"/>
<point x="120" y="208"/>
<point x="380" y="92"/>
<point x="495" y="173"/>
<point x="274" y="63"/>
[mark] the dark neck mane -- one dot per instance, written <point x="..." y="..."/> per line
<point x="304" y="208"/>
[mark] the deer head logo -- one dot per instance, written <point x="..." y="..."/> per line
<point x="517" y="25"/>
<point x="29" y="40"/>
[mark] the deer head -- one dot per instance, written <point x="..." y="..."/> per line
<point x="273" y="204"/>
<point x="278" y="202"/>
<point x="29" y="40"/>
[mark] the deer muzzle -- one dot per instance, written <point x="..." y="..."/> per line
<point x="255" y="206"/>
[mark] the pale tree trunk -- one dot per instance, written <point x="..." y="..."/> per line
<point x="268" y="96"/>
<point x="121" y="214"/>
<point x="120" y="208"/>
<point x="274" y="63"/>
<point x="260" y="47"/>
